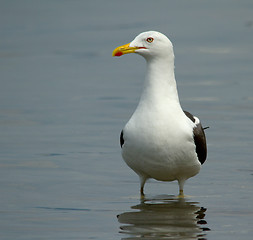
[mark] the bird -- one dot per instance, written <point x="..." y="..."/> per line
<point x="160" y="141"/>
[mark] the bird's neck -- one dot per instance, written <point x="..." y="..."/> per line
<point x="160" y="84"/>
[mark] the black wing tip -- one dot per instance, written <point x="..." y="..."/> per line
<point x="199" y="139"/>
<point x="121" y="139"/>
<point x="190" y="116"/>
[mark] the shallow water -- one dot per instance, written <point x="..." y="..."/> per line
<point x="164" y="217"/>
<point x="64" y="101"/>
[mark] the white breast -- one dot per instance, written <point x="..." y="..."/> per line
<point x="160" y="145"/>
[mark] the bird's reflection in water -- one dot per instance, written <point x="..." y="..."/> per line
<point x="164" y="217"/>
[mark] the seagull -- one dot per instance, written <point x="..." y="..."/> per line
<point x="161" y="140"/>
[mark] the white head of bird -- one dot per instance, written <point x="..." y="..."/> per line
<point x="150" y="45"/>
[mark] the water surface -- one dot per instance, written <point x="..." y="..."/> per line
<point x="64" y="101"/>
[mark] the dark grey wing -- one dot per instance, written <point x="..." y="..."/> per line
<point x="199" y="139"/>
<point x="121" y="139"/>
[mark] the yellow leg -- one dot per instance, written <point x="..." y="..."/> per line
<point x="181" y="187"/>
<point x="142" y="191"/>
<point x="142" y="182"/>
<point x="181" y="193"/>
<point x="142" y="194"/>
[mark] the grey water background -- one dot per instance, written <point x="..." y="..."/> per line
<point x="64" y="101"/>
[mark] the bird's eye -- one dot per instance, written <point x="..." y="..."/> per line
<point x="150" y="39"/>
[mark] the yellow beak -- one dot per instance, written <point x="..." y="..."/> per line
<point x="124" y="49"/>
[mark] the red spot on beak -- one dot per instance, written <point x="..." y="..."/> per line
<point x="118" y="54"/>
